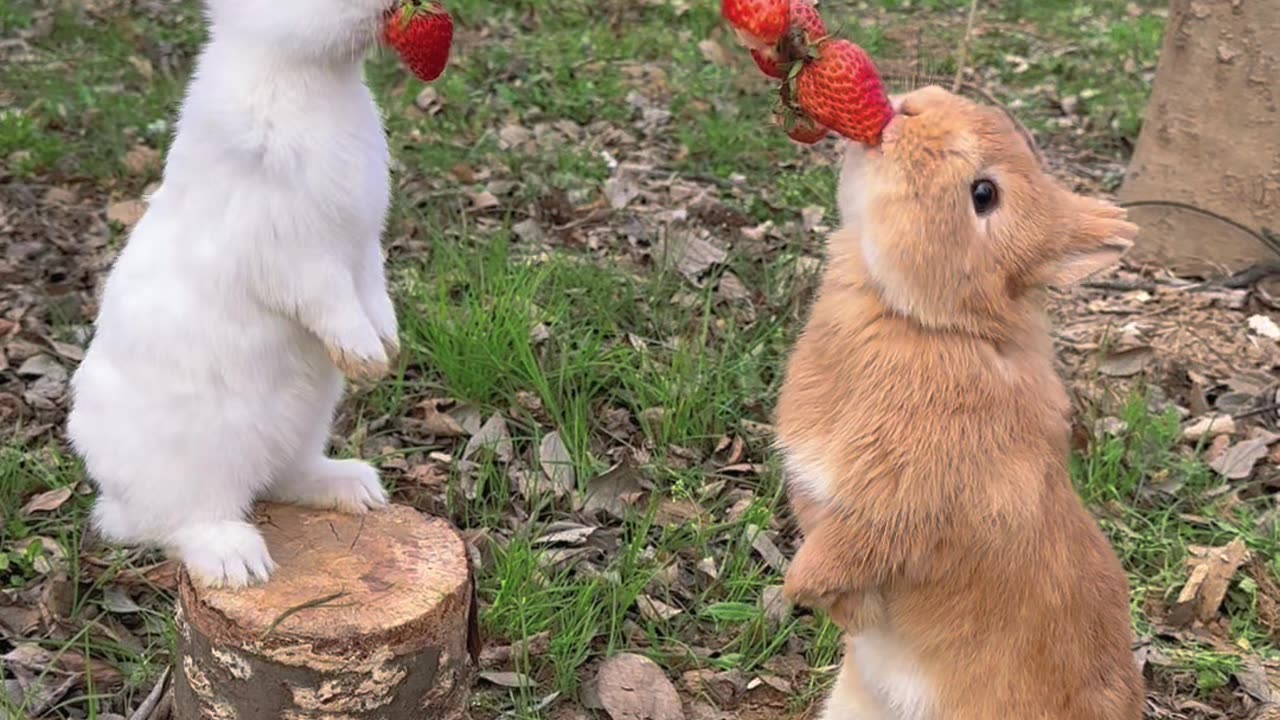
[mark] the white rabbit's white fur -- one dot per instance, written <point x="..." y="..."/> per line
<point x="255" y="275"/>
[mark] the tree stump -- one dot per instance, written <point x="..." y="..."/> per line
<point x="1211" y="139"/>
<point x="366" y="617"/>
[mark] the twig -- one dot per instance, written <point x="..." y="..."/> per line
<point x="318" y="602"/>
<point x="1262" y="236"/>
<point x="148" y="705"/>
<point x="359" y="532"/>
<point x="963" y="60"/>
<point x="1256" y="411"/>
<point x="1121" y="285"/>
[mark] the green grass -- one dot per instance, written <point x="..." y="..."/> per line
<point x="615" y="335"/>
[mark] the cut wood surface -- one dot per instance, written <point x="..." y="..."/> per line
<point x="366" y="617"/>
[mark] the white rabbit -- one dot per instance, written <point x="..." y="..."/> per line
<point x="253" y="283"/>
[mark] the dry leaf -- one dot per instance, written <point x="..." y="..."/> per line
<point x="484" y="200"/>
<point x="1252" y="677"/>
<point x="126" y="212"/>
<point x="1209" y="425"/>
<point x="556" y="464"/>
<point x="1264" y="326"/>
<point x="633" y="687"/>
<point x="494" y="437"/>
<point x="762" y="544"/>
<point x="47" y="501"/>
<point x="437" y="423"/>
<point x="654" y="610"/>
<point x="615" y="491"/>
<point x="620" y="190"/>
<point x="1212" y="570"/>
<point x="506" y="679"/>
<point x="1238" y="461"/>
<point x="713" y="52"/>
<point x="777" y="608"/>
<point x="566" y="533"/>
<point x="1125" y="363"/>
<point x="691" y="255"/>
<point x="141" y="159"/>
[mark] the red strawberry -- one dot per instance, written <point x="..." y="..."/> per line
<point x="841" y="89"/>
<point x="805" y="131"/>
<point x="806" y="28"/>
<point x="421" y="34"/>
<point x="760" y="23"/>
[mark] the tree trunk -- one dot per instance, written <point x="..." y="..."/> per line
<point x="1211" y="138"/>
<point x="366" y="617"/>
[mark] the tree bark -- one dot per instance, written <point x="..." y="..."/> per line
<point x="366" y="617"/>
<point x="1211" y="138"/>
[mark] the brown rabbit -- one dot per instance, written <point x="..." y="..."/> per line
<point x="925" y="433"/>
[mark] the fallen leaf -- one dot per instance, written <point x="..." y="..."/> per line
<point x="620" y="190"/>
<point x="1128" y="362"/>
<point x="440" y="424"/>
<point x="1264" y="326"/>
<point x="633" y="687"/>
<point x="1252" y="677"/>
<point x="566" y="533"/>
<point x="653" y="609"/>
<point x="1238" y="461"/>
<point x="777" y="608"/>
<point x="141" y="159"/>
<point x="1212" y="570"/>
<point x="506" y="679"/>
<point x="615" y="491"/>
<point x="43" y="366"/>
<point x="1209" y="425"/>
<point x="557" y="466"/>
<point x="126" y="212"/>
<point x="762" y="544"/>
<point x="691" y="255"/>
<point x="117" y="600"/>
<point x="47" y="501"/>
<point x="811" y="217"/>
<point x="484" y="200"/>
<point x="494" y="437"/>
<point x="713" y="52"/>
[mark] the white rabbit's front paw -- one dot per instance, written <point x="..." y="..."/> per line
<point x="350" y="486"/>
<point x="356" y="365"/>
<point x="226" y="553"/>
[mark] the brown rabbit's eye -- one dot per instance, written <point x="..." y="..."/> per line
<point x="985" y="196"/>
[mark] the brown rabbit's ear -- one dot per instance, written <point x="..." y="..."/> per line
<point x="1097" y="237"/>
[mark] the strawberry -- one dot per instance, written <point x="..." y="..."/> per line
<point x="841" y="89"/>
<point x="805" y="131"/>
<point x="806" y="27"/>
<point x="759" y="23"/>
<point x="421" y="34"/>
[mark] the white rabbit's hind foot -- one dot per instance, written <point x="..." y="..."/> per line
<point x="226" y="553"/>
<point x="349" y="486"/>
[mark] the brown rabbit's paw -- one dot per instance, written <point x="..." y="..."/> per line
<point x="355" y="367"/>
<point x="805" y="595"/>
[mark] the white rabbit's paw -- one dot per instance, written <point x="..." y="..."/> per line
<point x="349" y="486"/>
<point x="359" y="366"/>
<point x="224" y="554"/>
<point x="391" y="344"/>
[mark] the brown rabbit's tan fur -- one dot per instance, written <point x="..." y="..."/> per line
<point x="926" y="431"/>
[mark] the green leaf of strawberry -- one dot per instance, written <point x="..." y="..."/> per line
<point x="805" y="27"/>
<point x="421" y="33"/>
